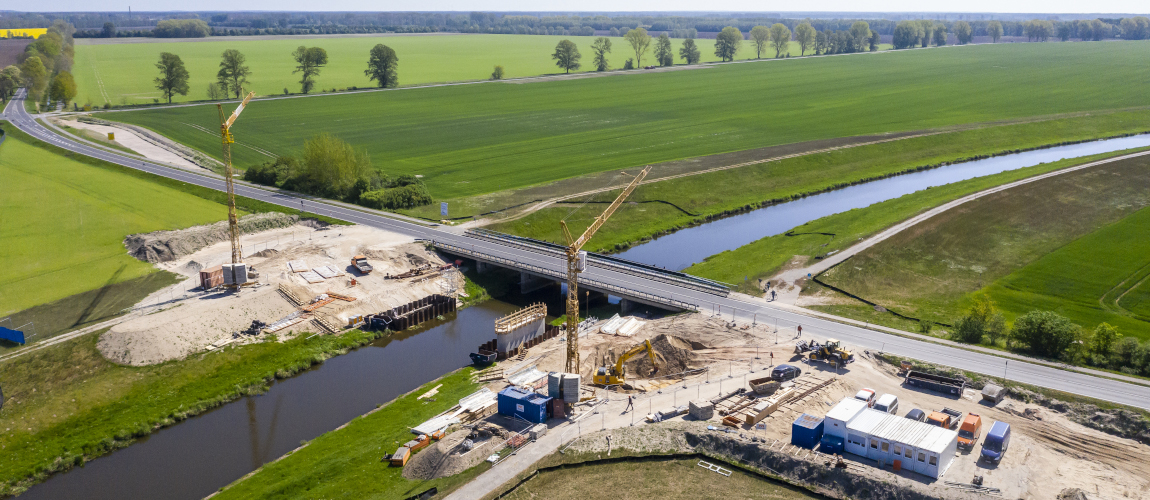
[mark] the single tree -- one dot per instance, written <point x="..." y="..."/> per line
<point x="994" y="30"/>
<point x="690" y="52"/>
<point x="640" y="41"/>
<point x="309" y="61"/>
<point x="602" y="47"/>
<point x="874" y="40"/>
<point x="780" y="39"/>
<point x="761" y="36"/>
<point x="1045" y="333"/>
<point x="498" y="73"/>
<point x="940" y="35"/>
<point x="860" y="33"/>
<point x="906" y="34"/>
<point x="981" y="320"/>
<point x="962" y="32"/>
<point x="805" y="36"/>
<point x="566" y="56"/>
<point x="1103" y="339"/>
<point x="35" y="77"/>
<point x="216" y="92"/>
<point x="383" y="66"/>
<point x="109" y="31"/>
<point x="926" y="28"/>
<point x="1065" y="30"/>
<point x="63" y="88"/>
<point x="233" y="74"/>
<point x="173" y="77"/>
<point x="727" y="43"/>
<point x="821" y="42"/>
<point x="629" y="64"/>
<point x="664" y="54"/>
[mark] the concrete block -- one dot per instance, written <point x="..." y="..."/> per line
<point x="702" y="410"/>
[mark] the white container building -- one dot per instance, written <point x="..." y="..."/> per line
<point x="835" y="423"/>
<point x="918" y="446"/>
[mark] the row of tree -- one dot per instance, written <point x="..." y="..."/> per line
<point x="332" y="168"/>
<point x="1050" y="335"/>
<point x="232" y="77"/>
<point x="44" y="68"/>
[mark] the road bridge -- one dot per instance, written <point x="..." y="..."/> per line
<point x="663" y="289"/>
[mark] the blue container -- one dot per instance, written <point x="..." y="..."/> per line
<point x="832" y="445"/>
<point x="515" y="402"/>
<point x="807" y="431"/>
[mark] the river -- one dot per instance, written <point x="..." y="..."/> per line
<point x="680" y="249"/>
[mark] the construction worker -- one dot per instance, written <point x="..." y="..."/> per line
<point x="630" y="405"/>
<point x="800" y="330"/>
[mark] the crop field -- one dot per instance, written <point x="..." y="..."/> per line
<point x="475" y="139"/>
<point x="1089" y="262"/>
<point x="122" y="73"/>
<point x="65" y="221"/>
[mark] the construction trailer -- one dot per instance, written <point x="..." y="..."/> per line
<point x="835" y="424"/>
<point x="807" y="431"/>
<point x="902" y="442"/>
<point x="515" y="402"/>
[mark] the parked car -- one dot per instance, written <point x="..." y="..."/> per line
<point x="996" y="443"/>
<point x="866" y="395"/>
<point x="783" y="373"/>
<point x="969" y="431"/>
<point x="916" y="415"/>
<point x="887" y="403"/>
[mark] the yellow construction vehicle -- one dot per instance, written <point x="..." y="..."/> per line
<point x="830" y="351"/>
<point x="615" y="375"/>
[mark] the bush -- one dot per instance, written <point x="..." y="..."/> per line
<point x="272" y="173"/>
<point x="1045" y="333"/>
<point x="181" y="28"/>
<point x="407" y="196"/>
<point x="981" y="320"/>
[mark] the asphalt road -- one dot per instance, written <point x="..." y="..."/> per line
<point x="744" y="308"/>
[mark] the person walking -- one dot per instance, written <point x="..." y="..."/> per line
<point x="800" y="330"/>
<point x="630" y="404"/>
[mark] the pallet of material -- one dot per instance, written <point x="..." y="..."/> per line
<point x="765" y="407"/>
<point x="316" y="305"/>
<point x="340" y="297"/>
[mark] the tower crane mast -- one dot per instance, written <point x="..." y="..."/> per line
<point x="228" y="140"/>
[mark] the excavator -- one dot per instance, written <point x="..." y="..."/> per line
<point x="616" y="375"/>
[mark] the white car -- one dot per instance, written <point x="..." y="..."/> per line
<point x="866" y="395"/>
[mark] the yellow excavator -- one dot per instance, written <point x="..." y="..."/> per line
<point x="616" y="375"/>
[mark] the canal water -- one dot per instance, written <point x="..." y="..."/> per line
<point x="680" y="249"/>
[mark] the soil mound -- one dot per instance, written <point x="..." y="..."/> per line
<point x="674" y="355"/>
<point x="165" y="246"/>
<point x="267" y="252"/>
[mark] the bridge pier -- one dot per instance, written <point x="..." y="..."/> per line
<point x="482" y="267"/>
<point x="626" y="306"/>
<point x="529" y="283"/>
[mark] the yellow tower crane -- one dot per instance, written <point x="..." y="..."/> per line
<point x="577" y="263"/>
<point x="226" y="137"/>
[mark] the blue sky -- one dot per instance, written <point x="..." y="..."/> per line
<point x="1025" y="6"/>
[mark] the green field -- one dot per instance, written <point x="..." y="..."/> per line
<point x="65" y="222"/>
<point x="693" y="199"/>
<point x="1071" y="244"/>
<point x="122" y="73"/>
<point x="346" y="462"/>
<point x="475" y="139"/>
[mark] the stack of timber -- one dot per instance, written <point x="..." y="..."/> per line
<point x="290" y="296"/>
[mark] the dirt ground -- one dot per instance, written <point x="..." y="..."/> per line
<point x="131" y="140"/>
<point x="1049" y="452"/>
<point x="187" y="320"/>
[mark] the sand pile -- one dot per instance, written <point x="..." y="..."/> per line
<point x="164" y="246"/>
<point x="674" y="355"/>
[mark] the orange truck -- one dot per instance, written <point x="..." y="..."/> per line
<point x="970" y="431"/>
<point x="945" y="418"/>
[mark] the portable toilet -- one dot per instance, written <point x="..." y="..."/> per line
<point x="807" y="431"/>
<point x="516" y="402"/>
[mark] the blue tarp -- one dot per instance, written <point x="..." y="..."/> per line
<point x="8" y="334"/>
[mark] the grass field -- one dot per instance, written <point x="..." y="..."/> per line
<point x="346" y="462"/>
<point x="665" y="479"/>
<point x="1071" y="244"/>
<point x="65" y="221"/>
<point x="475" y="139"/>
<point x="697" y="197"/>
<point x="122" y="73"/>
<point x="67" y="404"/>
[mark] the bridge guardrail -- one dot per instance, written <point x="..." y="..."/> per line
<point x="622" y="291"/>
<point x="606" y="262"/>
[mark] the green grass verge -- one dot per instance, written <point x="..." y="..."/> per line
<point x="122" y="73"/>
<point x="474" y="139"/>
<point x="66" y="222"/>
<point x="699" y="198"/>
<point x="763" y="258"/>
<point x="346" y="462"/>
<point x="1067" y="243"/>
<point x="67" y="404"/>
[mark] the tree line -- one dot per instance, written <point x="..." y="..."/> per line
<point x="232" y="77"/>
<point x="332" y="168"/>
<point x="44" y="68"/>
<point x="1050" y="335"/>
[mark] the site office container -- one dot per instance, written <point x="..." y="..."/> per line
<point x="919" y="447"/>
<point x="835" y="424"/>
<point x="807" y="431"/>
<point x="212" y="277"/>
<point x="517" y="402"/>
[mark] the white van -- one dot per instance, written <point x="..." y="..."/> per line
<point x="888" y="403"/>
